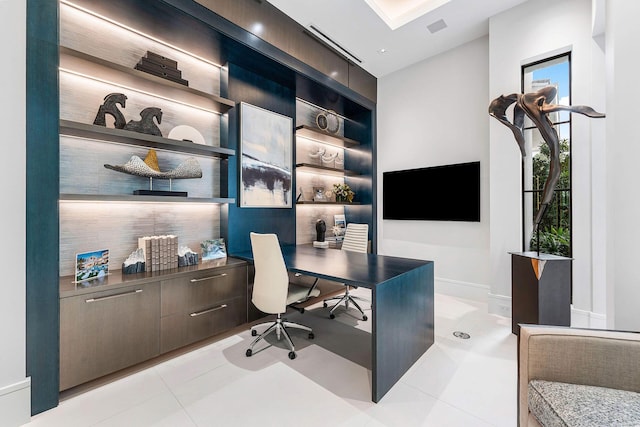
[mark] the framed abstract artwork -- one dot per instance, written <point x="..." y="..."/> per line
<point x="266" y="157"/>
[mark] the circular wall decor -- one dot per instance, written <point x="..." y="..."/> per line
<point x="328" y="120"/>
<point x="333" y="122"/>
<point x="321" y="121"/>
<point x="186" y="133"/>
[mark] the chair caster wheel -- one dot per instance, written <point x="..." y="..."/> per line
<point x="292" y="355"/>
<point x="254" y="332"/>
<point x="248" y="353"/>
<point x="311" y="336"/>
<point x="332" y="316"/>
<point x="324" y="304"/>
<point x="364" y="318"/>
<point x="301" y="310"/>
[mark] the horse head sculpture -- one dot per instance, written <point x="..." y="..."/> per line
<point x="110" y="107"/>
<point x="147" y="124"/>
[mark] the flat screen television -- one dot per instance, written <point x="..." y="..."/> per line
<point x="437" y="193"/>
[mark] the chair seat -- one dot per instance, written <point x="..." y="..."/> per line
<point x="561" y="404"/>
<point x="298" y="293"/>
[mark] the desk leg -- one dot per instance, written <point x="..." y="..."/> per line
<point x="402" y="330"/>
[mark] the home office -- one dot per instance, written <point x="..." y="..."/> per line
<point x="398" y="128"/>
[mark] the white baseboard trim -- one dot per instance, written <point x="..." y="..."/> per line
<point x="587" y="319"/>
<point x="499" y="304"/>
<point x="460" y="289"/>
<point x="15" y="403"/>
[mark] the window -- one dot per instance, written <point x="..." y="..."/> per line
<point x="554" y="233"/>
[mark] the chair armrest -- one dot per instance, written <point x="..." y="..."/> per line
<point x="604" y="358"/>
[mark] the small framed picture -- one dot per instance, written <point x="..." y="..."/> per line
<point x="318" y="194"/>
<point x="213" y="249"/>
<point x="92" y="265"/>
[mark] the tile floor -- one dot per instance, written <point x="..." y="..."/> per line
<point x="457" y="382"/>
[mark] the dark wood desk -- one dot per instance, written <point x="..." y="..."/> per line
<point x="402" y="303"/>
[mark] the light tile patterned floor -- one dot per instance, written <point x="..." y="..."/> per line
<point x="455" y="383"/>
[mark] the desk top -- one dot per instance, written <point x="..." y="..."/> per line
<point x="353" y="268"/>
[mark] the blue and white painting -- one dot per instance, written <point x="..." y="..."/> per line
<point x="266" y="144"/>
<point x="92" y="265"/>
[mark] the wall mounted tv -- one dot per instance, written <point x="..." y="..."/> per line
<point x="437" y="193"/>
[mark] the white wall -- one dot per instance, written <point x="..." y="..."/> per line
<point x="623" y="154"/>
<point x="531" y="31"/>
<point x="14" y="386"/>
<point x="435" y="113"/>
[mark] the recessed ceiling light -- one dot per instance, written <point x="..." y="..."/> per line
<point x="396" y="13"/>
<point x="383" y="50"/>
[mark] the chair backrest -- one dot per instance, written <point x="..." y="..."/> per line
<point x="356" y="238"/>
<point x="271" y="282"/>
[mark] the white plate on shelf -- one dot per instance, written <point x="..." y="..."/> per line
<point x="186" y="133"/>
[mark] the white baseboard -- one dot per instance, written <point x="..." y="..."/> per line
<point x="15" y="403"/>
<point x="460" y="289"/>
<point x="499" y="304"/>
<point x="587" y="319"/>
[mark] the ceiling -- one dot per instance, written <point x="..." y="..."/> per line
<point x="364" y="28"/>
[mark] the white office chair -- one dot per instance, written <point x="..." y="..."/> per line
<point x="272" y="292"/>
<point x="356" y="239"/>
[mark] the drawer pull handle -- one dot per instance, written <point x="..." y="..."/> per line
<point x="207" y="278"/>
<point x="124" y="294"/>
<point x="220" y="307"/>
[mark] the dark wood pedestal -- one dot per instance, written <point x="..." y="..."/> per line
<point x="540" y="290"/>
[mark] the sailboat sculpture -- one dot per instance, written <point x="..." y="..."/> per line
<point x="149" y="168"/>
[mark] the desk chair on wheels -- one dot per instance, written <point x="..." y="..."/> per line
<point x="356" y="239"/>
<point x="272" y="292"/>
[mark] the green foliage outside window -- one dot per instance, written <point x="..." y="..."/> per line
<point x="555" y="228"/>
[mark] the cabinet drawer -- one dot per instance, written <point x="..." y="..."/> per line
<point x="185" y="328"/>
<point x="202" y="290"/>
<point x="104" y="332"/>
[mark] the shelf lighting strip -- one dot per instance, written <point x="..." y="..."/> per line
<point x="136" y="202"/>
<point x="140" y="33"/>
<point x="324" y="142"/>
<point x="86" y="76"/>
<point x="168" y="150"/>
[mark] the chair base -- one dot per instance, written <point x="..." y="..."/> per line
<point x="280" y="326"/>
<point x="347" y="299"/>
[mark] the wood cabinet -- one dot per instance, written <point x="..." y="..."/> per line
<point x="105" y="331"/>
<point x="202" y="304"/>
<point x="123" y="320"/>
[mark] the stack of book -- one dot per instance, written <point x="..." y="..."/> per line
<point x="335" y="242"/>
<point x="160" y="252"/>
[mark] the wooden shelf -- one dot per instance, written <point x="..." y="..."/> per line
<point x="134" y="198"/>
<point x="305" y="202"/>
<point x="325" y="137"/>
<point x="88" y="65"/>
<point x="122" y="136"/>
<point x="325" y="170"/>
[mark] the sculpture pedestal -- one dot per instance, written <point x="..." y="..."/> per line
<point x="540" y="290"/>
